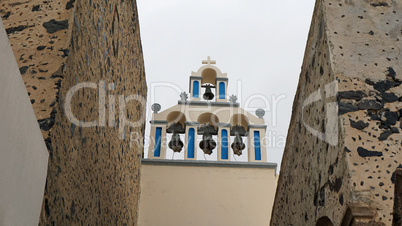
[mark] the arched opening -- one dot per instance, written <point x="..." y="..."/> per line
<point x="208" y="76"/>
<point x="239" y="131"/>
<point x="207" y="128"/>
<point x="196" y="89"/>
<point x="222" y="91"/>
<point x="175" y="130"/>
<point x="257" y="146"/>
<point x="176" y="116"/>
<point x="158" y="142"/>
<point x="208" y="118"/>
<point x="225" y="144"/>
<point x="240" y="120"/>
<point x="191" y="143"/>
<point x="324" y="221"/>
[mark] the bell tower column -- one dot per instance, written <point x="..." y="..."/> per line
<point x="157" y="141"/>
<point x="190" y="151"/>
<point x="256" y="143"/>
<point x="221" y="89"/>
<point x="195" y="87"/>
<point x="224" y="141"/>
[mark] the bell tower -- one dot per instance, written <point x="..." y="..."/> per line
<point x="210" y="120"/>
<point x="210" y="78"/>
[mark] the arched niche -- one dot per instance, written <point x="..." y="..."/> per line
<point x="208" y="76"/>
<point x="196" y="90"/>
<point x="240" y="120"/>
<point x="222" y="90"/>
<point x="176" y="116"/>
<point x="324" y="221"/>
<point x="208" y="118"/>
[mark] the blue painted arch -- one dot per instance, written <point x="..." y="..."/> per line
<point x="191" y="143"/>
<point x="158" y="142"/>
<point x="257" y="145"/>
<point x="196" y="89"/>
<point x="225" y="144"/>
<point x="222" y="90"/>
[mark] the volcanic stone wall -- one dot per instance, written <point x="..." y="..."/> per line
<point x="93" y="172"/>
<point x="345" y="139"/>
<point x="39" y="34"/>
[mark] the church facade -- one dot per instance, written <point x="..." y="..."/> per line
<point x="222" y="191"/>
<point x="212" y="114"/>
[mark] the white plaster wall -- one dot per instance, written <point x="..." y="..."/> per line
<point x="23" y="154"/>
<point x="190" y="195"/>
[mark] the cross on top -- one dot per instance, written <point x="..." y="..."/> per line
<point x="209" y="61"/>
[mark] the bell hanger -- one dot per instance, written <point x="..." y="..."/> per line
<point x="208" y="95"/>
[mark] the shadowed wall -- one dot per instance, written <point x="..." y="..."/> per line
<point x="93" y="173"/>
<point x="344" y="140"/>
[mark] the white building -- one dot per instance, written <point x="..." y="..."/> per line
<point x="198" y="192"/>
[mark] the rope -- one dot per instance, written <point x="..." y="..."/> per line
<point x="234" y="157"/>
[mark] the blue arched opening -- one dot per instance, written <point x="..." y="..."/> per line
<point x="225" y="144"/>
<point x="158" y="141"/>
<point x="221" y="90"/>
<point x="190" y="149"/>
<point x="257" y="145"/>
<point x="196" y="89"/>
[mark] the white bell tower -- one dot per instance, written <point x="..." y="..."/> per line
<point x="211" y="113"/>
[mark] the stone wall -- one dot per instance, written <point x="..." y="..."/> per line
<point x="39" y="34"/>
<point x="345" y="137"/>
<point x="93" y="173"/>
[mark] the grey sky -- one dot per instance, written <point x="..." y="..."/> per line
<point x="259" y="43"/>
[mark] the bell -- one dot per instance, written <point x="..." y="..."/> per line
<point x="208" y="95"/>
<point x="207" y="144"/>
<point x="175" y="143"/>
<point x="175" y="128"/>
<point x="238" y="145"/>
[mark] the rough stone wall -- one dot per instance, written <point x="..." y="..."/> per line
<point x="39" y="36"/>
<point x="355" y="45"/>
<point x="93" y="174"/>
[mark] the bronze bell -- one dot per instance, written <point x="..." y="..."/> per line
<point x="175" y="143"/>
<point x="207" y="144"/>
<point x="238" y="145"/>
<point x="208" y="95"/>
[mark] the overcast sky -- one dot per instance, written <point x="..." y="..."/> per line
<point x="258" y="43"/>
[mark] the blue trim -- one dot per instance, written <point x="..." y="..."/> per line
<point x="257" y="145"/>
<point x="158" y="141"/>
<point x="196" y="90"/>
<point x="190" y="149"/>
<point x="225" y="144"/>
<point x="221" y="90"/>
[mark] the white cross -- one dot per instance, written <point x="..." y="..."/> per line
<point x="208" y="61"/>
